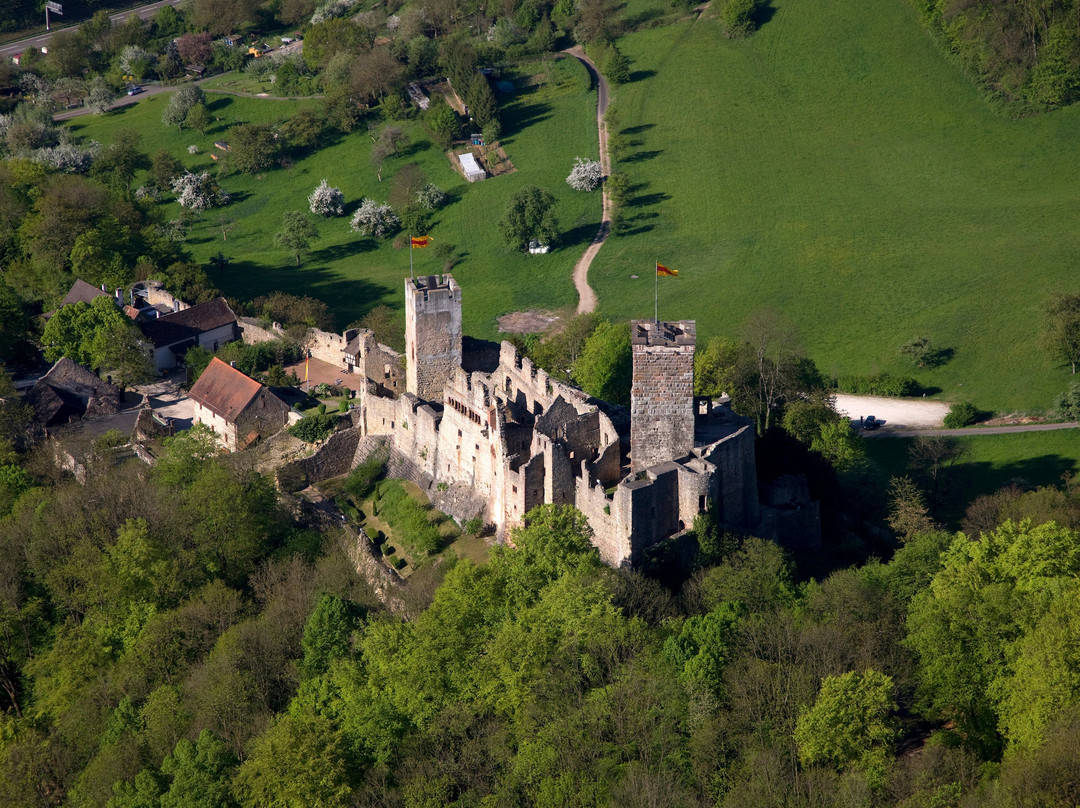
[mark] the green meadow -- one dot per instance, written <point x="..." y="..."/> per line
<point x="991" y="462"/>
<point x="837" y="168"/>
<point x="549" y="120"/>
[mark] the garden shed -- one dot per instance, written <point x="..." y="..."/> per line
<point x="472" y="170"/>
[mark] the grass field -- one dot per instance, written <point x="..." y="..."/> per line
<point x="836" y="167"/>
<point x="991" y="462"/>
<point x="547" y="122"/>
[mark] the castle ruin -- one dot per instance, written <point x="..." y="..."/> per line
<point x="496" y="436"/>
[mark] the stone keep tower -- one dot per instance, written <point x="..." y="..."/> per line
<point x="432" y="334"/>
<point x="662" y="393"/>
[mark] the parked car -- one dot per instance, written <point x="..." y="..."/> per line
<point x="870" y="422"/>
<point x="135" y="89"/>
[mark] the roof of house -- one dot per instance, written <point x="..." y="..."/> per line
<point x="224" y="390"/>
<point x="82" y="292"/>
<point x="189" y="323"/>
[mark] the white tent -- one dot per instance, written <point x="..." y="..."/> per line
<point x="472" y="169"/>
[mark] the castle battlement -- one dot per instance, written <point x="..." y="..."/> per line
<point x="513" y="438"/>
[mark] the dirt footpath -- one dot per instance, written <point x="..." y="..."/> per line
<point x="897" y="413"/>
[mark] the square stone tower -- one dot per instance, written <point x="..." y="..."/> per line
<point x="432" y="334"/>
<point x="662" y="393"/>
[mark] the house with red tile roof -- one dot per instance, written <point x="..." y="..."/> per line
<point x="239" y="409"/>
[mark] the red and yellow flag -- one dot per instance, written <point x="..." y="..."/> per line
<point x="420" y="241"/>
<point x="663" y="270"/>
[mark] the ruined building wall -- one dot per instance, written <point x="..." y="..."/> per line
<point x="662" y="392"/>
<point x="734" y="483"/>
<point x="328" y="347"/>
<point x="432" y="334"/>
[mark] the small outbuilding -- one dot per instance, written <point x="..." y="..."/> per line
<point x="472" y="170"/>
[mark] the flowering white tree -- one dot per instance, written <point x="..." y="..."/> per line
<point x="67" y="157"/>
<point x="373" y="219"/>
<point x="586" y="175"/>
<point x="198" y="192"/>
<point x="135" y="60"/>
<point x="327" y="201"/>
<point x="430" y="197"/>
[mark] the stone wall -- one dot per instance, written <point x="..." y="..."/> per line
<point x="333" y="458"/>
<point x="662" y="392"/>
<point x="252" y="331"/>
<point x="432" y="334"/>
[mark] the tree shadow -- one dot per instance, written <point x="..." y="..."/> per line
<point x="638" y="157"/>
<point x="219" y="104"/>
<point x="763" y="13"/>
<point x="637" y="130"/>
<point x="640" y="75"/>
<point x="521" y="116"/>
<point x="339" y="251"/>
<point x="583" y="233"/>
<point x="646" y="200"/>
<point x="642" y="17"/>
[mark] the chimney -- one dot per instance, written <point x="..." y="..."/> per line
<point x="103" y="287"/>
<point x="120" y="298"/>
<point x="176" y="305"/>
<point x="232" y="364"/>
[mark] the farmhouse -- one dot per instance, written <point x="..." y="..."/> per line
<point x="209" y="324"/>
<point x="239" y="409"/>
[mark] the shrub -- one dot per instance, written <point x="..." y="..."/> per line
<point x="361" y="480"/>
<point x="737" y="18"/>
<point x="373" y="219"/>
<point x="473" y="526"/>
<point x="962" y="414"/>
<point x="321" y="408"/>
<point x="586" y="175"/>
<point x="313" y="428"/>
<point x="343" y="407"/>
<point x="880" y="385"/>
<point x="327" y="201"/>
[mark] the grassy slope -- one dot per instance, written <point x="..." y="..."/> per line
<point x="993" y="461"/>
<point x="547" y="125"/>
<point x="835" y="167"/>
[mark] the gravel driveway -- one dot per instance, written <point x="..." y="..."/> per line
<point x="897" y="413"/>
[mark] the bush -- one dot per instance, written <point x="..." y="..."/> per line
<point x="473" y="526"/>
<point x="373" y="219"/>
<point x="737" y="18"/>
<point x="880" y="385"/>
<point x="326" y="200"/>
<point x="321" y="408"/>
<point x="361" y="480"/>
<point x="313" y="428"/>
<point x="586" y="175"/>
<point x="962" y="414"/>
<point x="343" y="407"/>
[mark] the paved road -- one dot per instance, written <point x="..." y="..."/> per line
<point x="971" y="430"/>
<point x="586" y="295"/>
<point x="144" y="12"/>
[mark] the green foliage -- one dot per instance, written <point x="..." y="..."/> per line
<point x="984" y="607"/>
<point x="737" y="17"/>
<point x="314" y="428"/>
<point x="1067" y="404"/>
<point x="881" y="384"/>
<point x="701" y="648"/>
<point x="529" y="215"/>
<point x="850" y="724"/>
<point x="605" y="367"/>
<point x="962" y="414"/>
<point x="253" y="147"/>
<point x="473" y="526"/>
<point x="409" y="520"/>
<point x="1062" y="324"/>
<point x="298" y="761"/>
<point x="199" y="773"/>
<point x="326" y="635"/>
<point x="361" y="480"/>
<point x="82" y="331"/>
<point x="442" y="123"/>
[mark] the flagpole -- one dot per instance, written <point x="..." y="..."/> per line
<point x="656" y="291"/>
<point x="413" y="274"/>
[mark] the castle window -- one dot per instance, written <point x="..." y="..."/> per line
<point x="478" y="447"/>
<point x="701" y="503"/>
<point x="513" y="488"/>
<point x="459" y="433"/>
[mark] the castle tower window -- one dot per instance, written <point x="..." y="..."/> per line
<point x="701" y="503"/>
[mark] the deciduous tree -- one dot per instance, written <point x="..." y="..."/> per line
<point x="1063" y="328"/>
<point x="529" y="215"/>
<point x="296" y="234"/>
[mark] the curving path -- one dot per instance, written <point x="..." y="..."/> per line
<point x="586" y="295"/>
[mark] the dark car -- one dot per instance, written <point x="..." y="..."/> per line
<point x="870" y="422"/>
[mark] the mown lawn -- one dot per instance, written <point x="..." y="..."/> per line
<point x="548" y="121"/>
<point x="991" y="462"/>
<point x="837" y="168"/>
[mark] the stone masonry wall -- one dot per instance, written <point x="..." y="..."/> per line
<point x="661" y="404"/>
<point x="432" y="336"/>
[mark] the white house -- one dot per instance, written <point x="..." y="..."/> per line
<point x="210" y="325"/>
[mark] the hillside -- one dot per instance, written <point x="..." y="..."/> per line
<point x="836" y="167"/>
